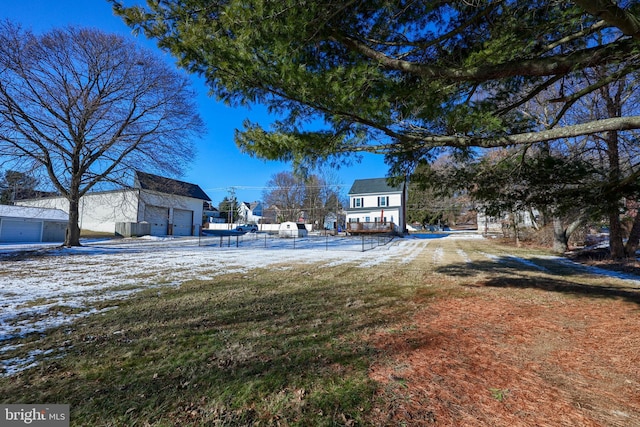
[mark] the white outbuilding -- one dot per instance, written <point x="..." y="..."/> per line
<point x="22" y="224"/>
<point x="292" y="229"/>
<point x="155" y="205"/>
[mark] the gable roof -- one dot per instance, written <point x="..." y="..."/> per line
<point x="147" y="181"/>
<point x="26" y="212"/>
<point x="374" y="186"/>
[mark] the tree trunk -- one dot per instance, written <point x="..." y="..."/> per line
<point x="634" y="238"/>
<point x="72" y="235"/>
<point x="561" y="235"/>
<point x="560" y="238"/>
<point x="534" y="221"/>
<point x="616" y="246"/>
<point x="575" y="224"/>
<point x="615" y="236"/>
<point x="613" y="106"/>
<point x="515" y="229"/>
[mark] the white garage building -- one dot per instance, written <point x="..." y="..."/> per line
<point x="155" y="205"/>
<point x="21" y="224"/>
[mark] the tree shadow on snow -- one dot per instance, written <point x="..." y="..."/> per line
<point x="512" y="272"/>
<point x="630" y="294"/>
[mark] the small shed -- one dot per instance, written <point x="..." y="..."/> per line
<point x="292" y="229"/>
<point x="23" y="224"/>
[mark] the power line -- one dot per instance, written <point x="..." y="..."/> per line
<point x="244" y="187"/>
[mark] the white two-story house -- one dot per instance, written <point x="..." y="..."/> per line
<point x="375" y="206"/>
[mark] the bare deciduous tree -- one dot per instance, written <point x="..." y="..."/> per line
<point x="86" y="107"/>
<point x="293" y="196"/>
<point x="286" y="192"/>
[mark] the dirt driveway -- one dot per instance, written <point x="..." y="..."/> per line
<point x="504" y="340"/>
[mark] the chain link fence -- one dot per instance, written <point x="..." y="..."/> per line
<point x="361" y="243"/>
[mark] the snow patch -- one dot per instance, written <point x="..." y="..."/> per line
<point x="464" y="256"/>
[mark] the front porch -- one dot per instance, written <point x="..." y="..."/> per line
<point x="369" y="227"/>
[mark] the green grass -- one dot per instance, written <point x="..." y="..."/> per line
<point x="267" y="348"/>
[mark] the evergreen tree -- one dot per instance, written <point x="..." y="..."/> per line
<point x="402" y="79"/>
<point x="17" y="185"/>
<point x="228" y="208"/>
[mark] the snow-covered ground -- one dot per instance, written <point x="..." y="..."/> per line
<point x="34" y="289"/>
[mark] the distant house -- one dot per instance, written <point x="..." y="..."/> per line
<point x="271" y="215"/>
<point x="211" y="214"/>
<point x="154" y="205"/>
<point x="250" y="212"/>
<point x="488" y="224"/>
<point x="334" y="221"/>
<point x="375" y="206"/>
<point x="275" y="214"/>
<point x="21" y="224"/>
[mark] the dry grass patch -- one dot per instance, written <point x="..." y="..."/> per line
<point x="248" y="348"/>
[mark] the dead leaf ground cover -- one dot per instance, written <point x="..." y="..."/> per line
<point x="518" y="349"/>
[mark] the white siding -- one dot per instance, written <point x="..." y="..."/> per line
<point x="101" y="211"/>
<point x="371" y="210"/>
<point x="374" y="215"/>
<point x="98" y="211"/>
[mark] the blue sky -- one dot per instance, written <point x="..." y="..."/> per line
<point x="219" y="164"/>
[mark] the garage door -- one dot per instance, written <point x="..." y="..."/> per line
<point x="182" y="222"/>
<point x="158" y="218"/>
<point x="20" y="231"/>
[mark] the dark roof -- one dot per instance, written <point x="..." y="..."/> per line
<point x="150" y="182"/>
<point x="374" y="186"/>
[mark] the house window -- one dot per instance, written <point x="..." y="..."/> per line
<point x="367" y="219"/>
<point x="383" y="201"/>
<point x="358" y="202"/>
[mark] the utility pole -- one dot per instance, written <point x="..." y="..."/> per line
<point x="232" y="192"/>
